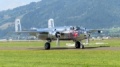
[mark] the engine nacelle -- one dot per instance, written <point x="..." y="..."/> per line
<point x="57" y="34"/>
<point x="99" y="31"/>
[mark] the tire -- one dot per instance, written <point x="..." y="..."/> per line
<point x="47" y="46"/>
<point x="82" y="47"/>
<point x="77" y="44"/>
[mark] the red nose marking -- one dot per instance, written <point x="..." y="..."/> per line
<point x="75" y="34"/>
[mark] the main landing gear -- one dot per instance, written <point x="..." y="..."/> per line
<point x="47" y="44"/>
<point x="78" y="45"/>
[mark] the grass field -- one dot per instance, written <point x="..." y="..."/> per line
<point x="59" y="58"/>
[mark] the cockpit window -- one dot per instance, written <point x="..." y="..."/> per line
<point x="75" y="28"/>
<point x="71" y="28"/>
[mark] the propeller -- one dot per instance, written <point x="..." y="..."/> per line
<point x="99" y="31"/>
<point x="57" y="34"/>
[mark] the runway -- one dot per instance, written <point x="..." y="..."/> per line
<point x="61" y="48"/>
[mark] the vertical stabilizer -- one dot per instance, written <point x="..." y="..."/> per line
<point x="17" y="25"/>
<point x="50" y="23"/>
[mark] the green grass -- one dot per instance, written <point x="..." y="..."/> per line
<point x="59" y="58"/>
<point x="109" y="42"/>
<point x="30" y="44"/>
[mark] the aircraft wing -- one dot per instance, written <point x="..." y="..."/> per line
<point x="94" y="30"/>
<point x="42" y="30"/>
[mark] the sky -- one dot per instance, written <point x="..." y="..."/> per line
<point x="10" y="4"/>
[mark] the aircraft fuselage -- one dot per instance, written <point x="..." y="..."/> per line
<point x="66" y="33"/>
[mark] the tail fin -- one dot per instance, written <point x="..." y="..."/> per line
<point x="51" y="23"/>
<point x="17" y="25"/>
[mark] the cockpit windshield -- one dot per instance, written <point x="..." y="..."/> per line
<point x="77" y="28"/>
<point x="74" y="28"/>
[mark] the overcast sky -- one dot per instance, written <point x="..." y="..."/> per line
<point x="10" y="4"/>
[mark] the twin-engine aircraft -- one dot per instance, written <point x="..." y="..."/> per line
<point x="77" y="34"/>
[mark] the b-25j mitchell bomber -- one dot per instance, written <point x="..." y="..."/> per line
<point x="77" y="34"/>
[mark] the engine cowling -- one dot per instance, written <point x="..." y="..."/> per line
<point x="57" y="34"/>
<point x="99" y="31"/>
<point x="75" y="34"/>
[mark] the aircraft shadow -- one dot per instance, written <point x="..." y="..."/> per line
<point x="66" y="48"/>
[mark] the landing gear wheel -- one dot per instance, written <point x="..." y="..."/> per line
<point x="82" y="47"/>
<point x="77" y="44"/>
<point x="47" y="46"/>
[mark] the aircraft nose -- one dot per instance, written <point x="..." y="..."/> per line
<point x="75" y="34"/>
